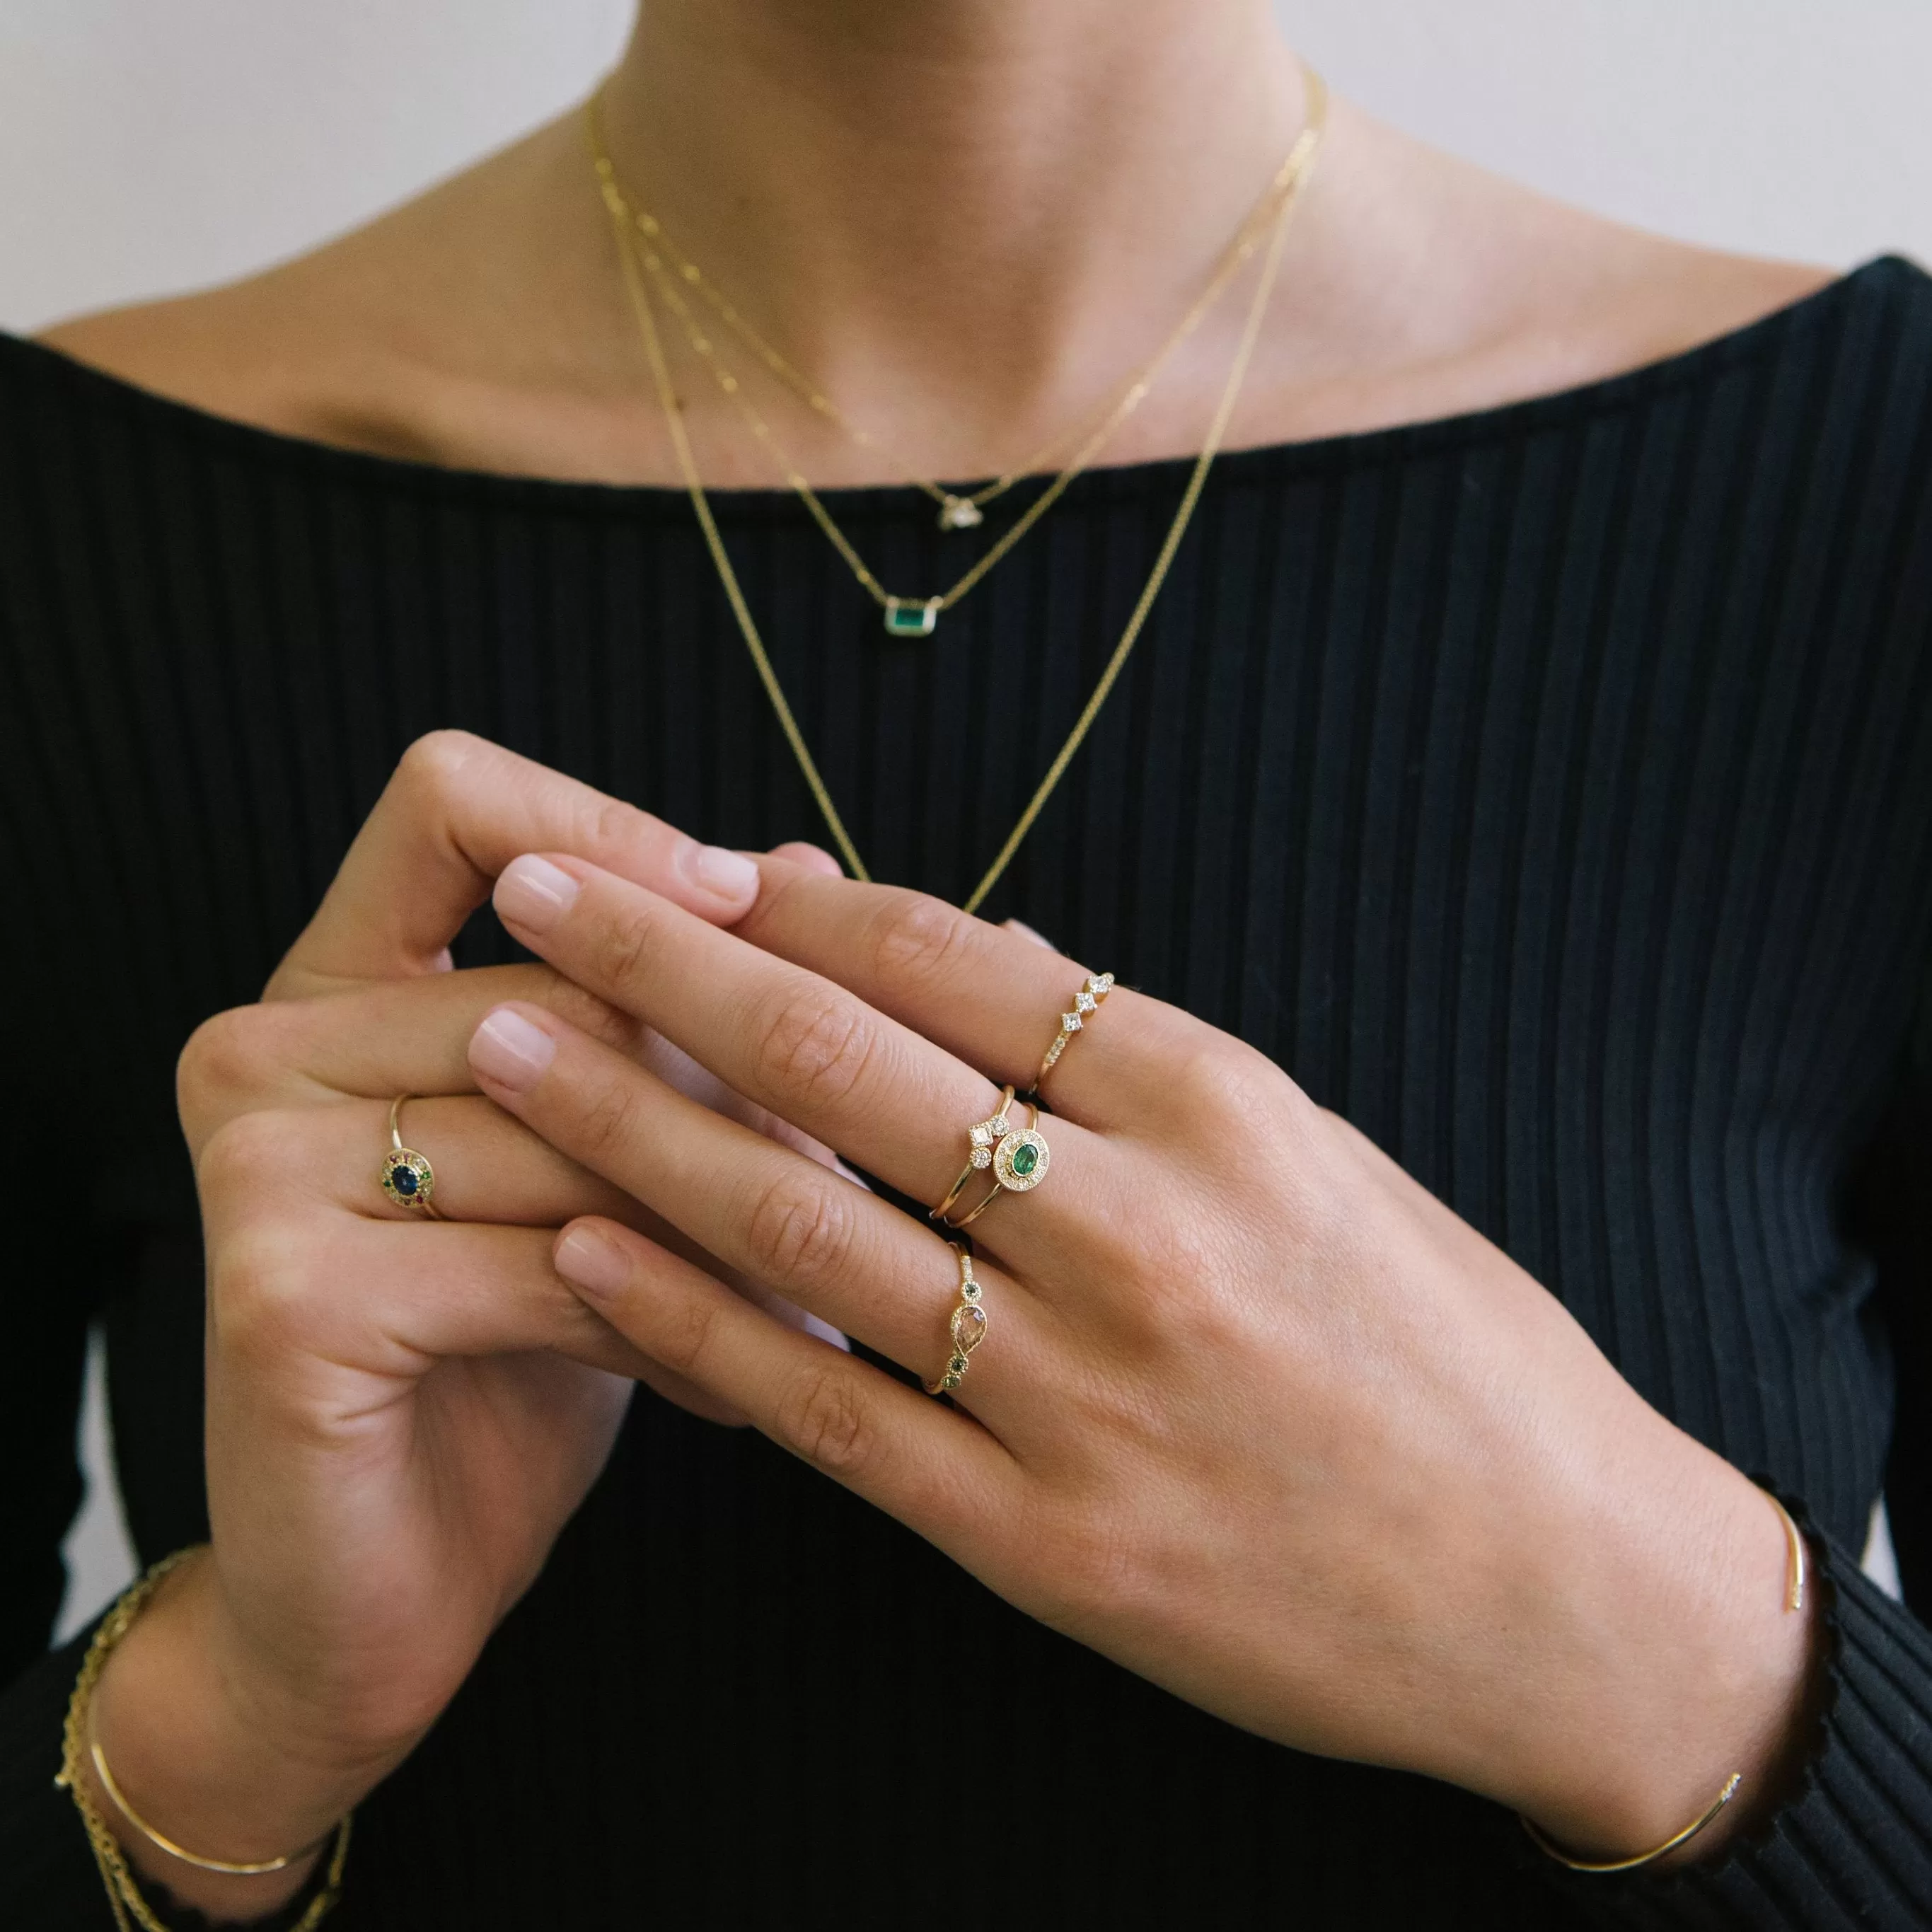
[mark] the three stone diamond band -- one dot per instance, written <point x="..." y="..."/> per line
<point x="1098" y="986"/>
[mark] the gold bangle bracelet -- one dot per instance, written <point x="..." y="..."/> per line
<point x="1797" y="1570"/>
<point x="256" y="1870"/>
<point x="78" y="1749"/>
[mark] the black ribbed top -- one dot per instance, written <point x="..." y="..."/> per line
<point x="1549" y="790"/>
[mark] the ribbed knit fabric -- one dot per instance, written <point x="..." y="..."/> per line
<point x="1549" y="790"/>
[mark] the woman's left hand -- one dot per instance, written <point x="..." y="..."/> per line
<point x="1254" y="1415"/>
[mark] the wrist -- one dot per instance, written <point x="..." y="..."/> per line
<point x="1689" y="1667"/>
<point x="198" y="1758"/>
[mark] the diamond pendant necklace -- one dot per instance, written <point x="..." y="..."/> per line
<point x="1300" y="162"/>
<point x="906" y="617"/>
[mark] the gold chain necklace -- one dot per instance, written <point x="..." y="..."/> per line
<point x="1306" y="148"/>
<point x="917" y="616"/>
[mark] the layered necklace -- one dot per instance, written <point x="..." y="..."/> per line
<point x="646" y="258"/>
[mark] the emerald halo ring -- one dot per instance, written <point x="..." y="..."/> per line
<point x="1019" y="1159"/>
<point x="408" y="1179"/>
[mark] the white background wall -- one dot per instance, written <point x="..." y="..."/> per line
<point x="145" y="148"/>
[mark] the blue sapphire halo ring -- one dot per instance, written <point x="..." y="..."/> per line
<point x="408" y="1179"/>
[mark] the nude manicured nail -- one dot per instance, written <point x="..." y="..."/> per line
<point x="508" y="1049"/>
<point x="591" y="1261"/>
<point x="534" y="893"/>
<point x="730" y="874"/>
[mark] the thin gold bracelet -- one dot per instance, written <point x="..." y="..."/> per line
<point x="1796" y="1569"/>
<point x="78" y="1748"/>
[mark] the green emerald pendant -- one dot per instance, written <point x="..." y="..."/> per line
<point x="911" y="617"/>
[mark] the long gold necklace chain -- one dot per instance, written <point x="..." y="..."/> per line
<point x="917" y="616"/>
<point x="727" y="577"/>
<point x="958" y="510"/>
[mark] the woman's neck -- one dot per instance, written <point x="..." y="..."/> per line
<point x="978" y="212"/>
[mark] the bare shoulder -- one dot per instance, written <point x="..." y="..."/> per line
<point x="415" y="336"/>
<point x="1459" y="291"/>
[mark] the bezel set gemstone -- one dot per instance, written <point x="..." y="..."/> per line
<point x="408" y="1179"/>
<point x="911" y="617"/>
<point x="1022" y="1142"/>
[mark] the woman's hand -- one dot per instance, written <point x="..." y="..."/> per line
<point x="401" y="1413"/>
<point x="1254" y="1414"/>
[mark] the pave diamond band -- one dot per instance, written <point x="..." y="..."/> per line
<point x="1085" y="1002"/>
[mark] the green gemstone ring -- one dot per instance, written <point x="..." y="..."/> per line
<point x="1019" y="1163"/>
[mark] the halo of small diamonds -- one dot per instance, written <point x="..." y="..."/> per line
<point x="408" y="1179"/>
<point x="1020" y="1159"/>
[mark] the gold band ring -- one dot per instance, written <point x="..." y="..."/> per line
<point x="1019" y="1163"/>
<point x="982" y="1137"/>
<point x="967" y="1326"/>
<point x="408" y="1179"/>
<point x="1098" y="986"/>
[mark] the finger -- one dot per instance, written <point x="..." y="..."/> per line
<point x="793" y="1041"/>
<point x="813" y="858"/>
<point x="936" y="1472"/>
<point x="466" y="1289"/>
<point x="469" y="1291"/>
<point x="457" y="810"/>
<point x="993" y="996"/>
<point x="413" y="1036"/>
<point x="397" y="1036"/>
<point x="486" y="1166"/>
<point x="764" y="1211"/>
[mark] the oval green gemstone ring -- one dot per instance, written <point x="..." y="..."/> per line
<point x="1019" y="1164"/>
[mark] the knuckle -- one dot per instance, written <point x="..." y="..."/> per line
<point x="820" y="1417"/>
<point x="236" y="1157"/>
<point x="1224" y="1086"/>
<point x="433" y="766"/>
<point x="917" y="939"/>
<point x="614" y="825"/>
<point x="626" y="940"/>
<point x="606" y="1123"/>
<point x="817" y="1045"/>
<point x="682" y="1329"/>
<point x="223" y="1057"/>
<point x="265" y="1297"/>
<point x="801" y="1230"/>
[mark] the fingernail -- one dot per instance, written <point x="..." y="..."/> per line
<point x="730" y="874"/>
<point x="590" y="1261"/>
<point x="508" y="1049"/>
<point x="532" y="892"/>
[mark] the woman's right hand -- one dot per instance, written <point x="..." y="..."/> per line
<point x="401" y="1413"/>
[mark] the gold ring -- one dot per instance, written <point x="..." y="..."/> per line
<point x="408" y="1179"/>
<point x="1019" y="1163"/>
<point x="1098" y="986"/>
<point x="968" y="1326"/>
<point x="982" y="1137"/>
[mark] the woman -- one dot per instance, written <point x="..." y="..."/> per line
<point x="1543" y="788"/>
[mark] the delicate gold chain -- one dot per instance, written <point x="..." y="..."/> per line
<point x="1306" y="148"/>
<point x="1133" y="392"/>
<point x="124" y="1895"/>
<point x="915" y="616"/>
